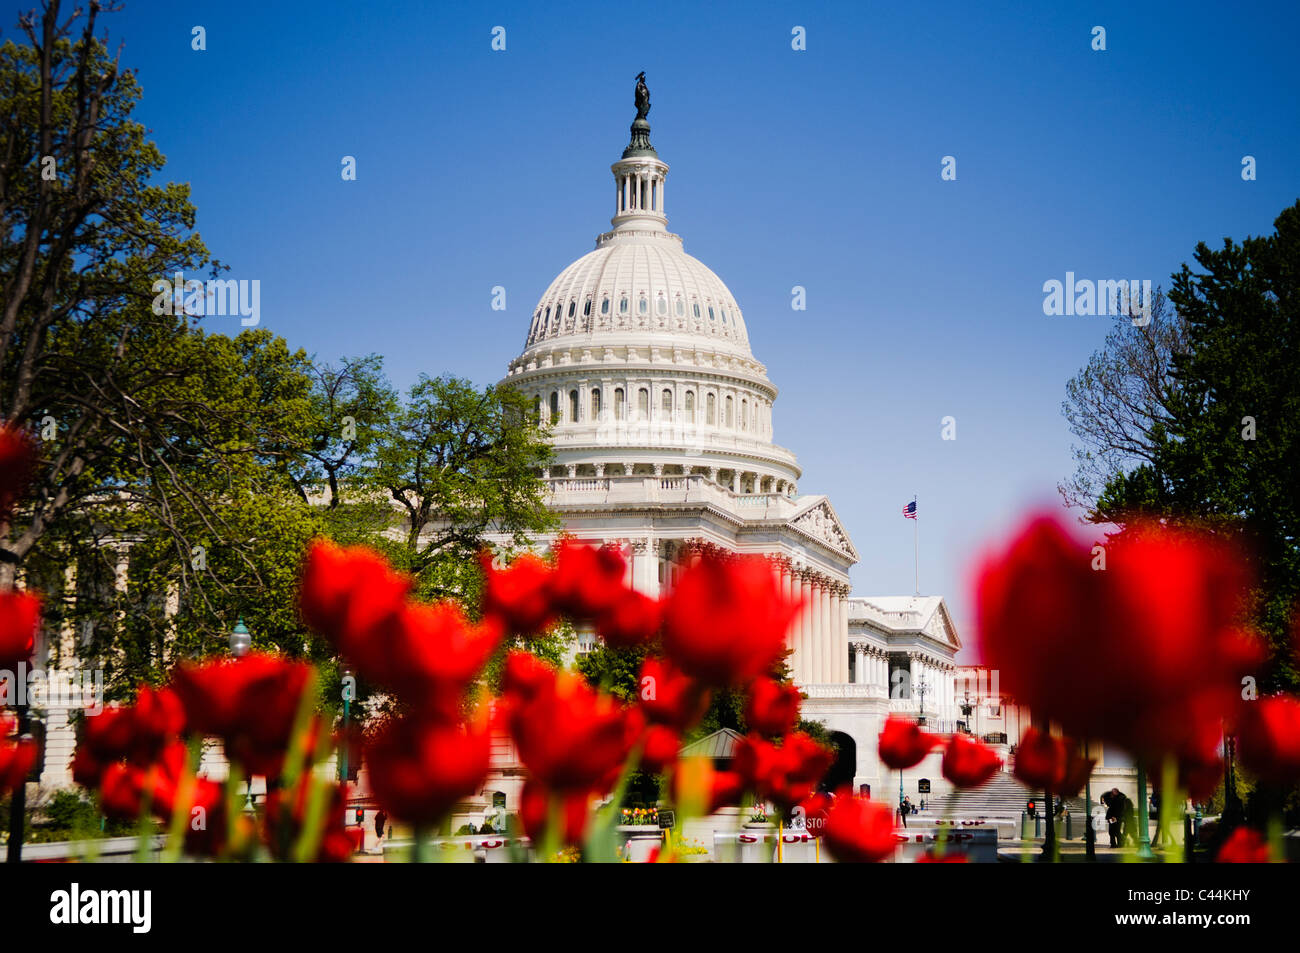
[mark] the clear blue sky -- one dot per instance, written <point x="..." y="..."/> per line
<point x="817" y="168"/>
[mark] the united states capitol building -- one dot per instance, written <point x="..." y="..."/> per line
<point x="661" y="417"/>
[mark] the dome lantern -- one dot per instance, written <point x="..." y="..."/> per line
<point x="640" y="174"/>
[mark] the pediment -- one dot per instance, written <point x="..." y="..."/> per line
<point x="820" y="522"/>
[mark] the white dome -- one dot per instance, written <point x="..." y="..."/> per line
<point x="639" y="282"/>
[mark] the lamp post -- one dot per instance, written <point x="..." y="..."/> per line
<point x="343" y="742"/>
<point x="241" y="642"/>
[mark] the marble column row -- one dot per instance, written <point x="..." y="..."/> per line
<point x="871" y="668"/>
<point x="819" y="636"/>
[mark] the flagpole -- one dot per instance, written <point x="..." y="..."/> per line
<point x="916" y="543"/>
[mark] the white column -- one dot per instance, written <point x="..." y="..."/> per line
<point x="842" y="627"/>
<point x="814" y="630"/>
<point x="803" y="587"/>
<point x="830" y="671"/>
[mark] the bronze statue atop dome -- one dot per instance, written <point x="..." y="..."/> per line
<point x="642" y="96"/>
<point x="640" y="144"/>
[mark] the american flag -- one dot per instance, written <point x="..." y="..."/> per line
<point x="909" y="510"/>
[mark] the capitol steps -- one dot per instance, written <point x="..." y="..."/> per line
<point x="1002" y="796"/>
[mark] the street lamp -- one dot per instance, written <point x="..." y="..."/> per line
<point x="241" y="640"/>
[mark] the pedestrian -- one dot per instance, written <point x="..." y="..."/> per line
<point x="1130" y="822"/>
<point x="1154" y="802"/>
<point x="904" y="808"/>
<point x="1114" y="815"/>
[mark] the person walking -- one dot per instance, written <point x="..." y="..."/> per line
<point x="1114" y="815"/>
<point x="904" y="808"/>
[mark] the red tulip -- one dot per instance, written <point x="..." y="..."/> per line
<point x="773" y="707"/>
<point x="1078" y="770"/>
<point x="20" y="617"/>
<point x="634" y="619"/>
<point x="286" y="822"/>
<point x="1245" y="846"/>
<point x="1268" y="733"/>
<point x="588" y="580"/>
<point x="430" y="653"/>
<point x="903" y="744"/>
<point x="570" y="737"/>
<point x="859" y="830"/>
<point x="16" y="761"/>
<point x="524" y="676"/>
<point x="139" y="733"/>
<point x="726" y="619"/>
<point x="251" y="703"/>
<point x="345" y="593"/>
<point x="520" y="595"/>
<point x="968" y="763"/>
<point x="420" y="768"/>
<point x="1161" y="622"/>
<point x="17" y="463"/>
<point x="670" y="697"/>
<point x="1040" y="760"/>
<point x="660" y="748"/>
<point x="535" y="805"/>
<point x="786" y="774"/>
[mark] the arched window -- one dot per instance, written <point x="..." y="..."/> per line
<point x="696" y="306"/>
<point x="681" y="307"/>
<point x="744" y="415"/>
<point x="667" y="402"/>
<point x="731" y="417"/>
<point x="573" y="406"/>
<point x="572" y="307"/>
<point x="586" y="308"/>
<point x="555" y="406"/>
<point x="711" y="410"/>
<point x="690" y="406"/>
<point x="604" y="306"/>
<point x="595" y="403"/>
<point x="620" y="408"/>
<point x="622" y="306"/>
<point x="643" y="404"/>
<point x="662" y="306"/>
<point x="712" y="316"/>
<point x="643" y="306"/>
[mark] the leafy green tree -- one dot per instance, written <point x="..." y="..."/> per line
<point x="1224" y="447"/>
<point x="458" y="463"/>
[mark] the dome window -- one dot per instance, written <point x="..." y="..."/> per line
<point x="572" y="307"/>
<point x="643" y="404"/>
<point x="690" y="407"/>
<point x="604" y="306"/>
<point x="573" y="406"/>
<point x="620" y="405"/>
<point x="662" y="307"/>
<point x="696" y="306"/>
<point x="622" y="306"/>
<point x="681" y="307"/>
<point x="643" y="306"/>
<point x="586" y="308"/>
<point x="731" y="416"/>
<point x="712" y="317"/>
<point x="555" y="406"/>
<point x="668" y="402"/>
<point x="595" y="403"/>
<point x="711" y="409"/>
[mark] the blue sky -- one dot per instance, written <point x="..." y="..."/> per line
<point x="818" y="168"/>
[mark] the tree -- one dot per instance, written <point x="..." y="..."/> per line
<point x="459" y="462"/>
<point x="1208" y="430"/>
<point x="1117" y="407"/>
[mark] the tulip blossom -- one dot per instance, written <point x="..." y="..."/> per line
<point x="660" y="745"/>
<point x="773" y="707"/>
<point x="20" y="617"/>
<point x="670" y="697"/>
<point x="535" y="807"/>
<point x="968" y="763"/>
<point x="570" y="737"/>
<point x="1153" y="643"/>
<point x="519" y="595"/>
<point x="859" y="830"/>
<point x="903" y="744"/>
<point x="346" y="592"/>
<point x="725" y="621"/>
<point x="250" y="703"/>
<point x="784" y="774"/>
<point x="1268" y="735"/>
<point x="1040" y="759"/>
<point x="17" y="463"/>
<point x="16" y="761"/>
<point x="1245" y="846"/>
<point x="633" y="619"/>
<point x="419" y="768"/>
<point x="587" y="581"/>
